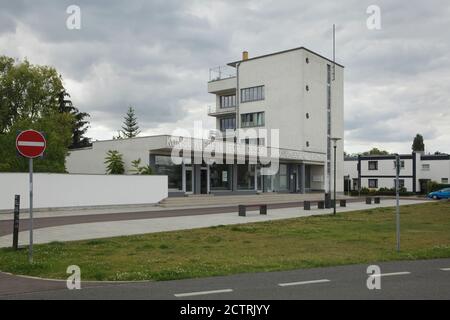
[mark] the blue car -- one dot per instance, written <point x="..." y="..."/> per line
<point x="440" y="194"/>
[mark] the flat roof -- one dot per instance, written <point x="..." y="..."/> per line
<point x="233" y="64"/>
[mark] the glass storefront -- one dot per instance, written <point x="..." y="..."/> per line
<point x="246" y="177"/>
<point x="165" y="166"/>
<point x="221" y="177"/>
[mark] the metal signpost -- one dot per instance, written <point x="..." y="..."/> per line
<point x="31" y="144"/>
<point x="16" y="222"/>
<point x="397" y="210"/>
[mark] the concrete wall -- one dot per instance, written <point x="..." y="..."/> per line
<point x="285" y="77"/>
<point x="91" y="160"/>
<point x="438" y="169"/>
<point x="68" y="190"/>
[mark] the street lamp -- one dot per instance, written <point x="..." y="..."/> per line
<point x="335" y="140"/>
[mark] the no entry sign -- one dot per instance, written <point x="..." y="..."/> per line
<point x="30" y="143"/>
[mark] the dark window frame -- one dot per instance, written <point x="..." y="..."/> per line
<point x="252" y="119"/>
<point x="372" y="162"/>
<point x="252" y="94"/>
<point x="372" y="180"/>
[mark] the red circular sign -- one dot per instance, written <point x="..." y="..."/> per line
<point x="30" y="143"/>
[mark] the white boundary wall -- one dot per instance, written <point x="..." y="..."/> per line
<point x="54" y="190"/>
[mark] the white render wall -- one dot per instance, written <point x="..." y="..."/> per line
<point x="54" y="190"/>
<point x="91" y="160"/>
<point x="438" y="169"/>
<point x="286" y="102"/>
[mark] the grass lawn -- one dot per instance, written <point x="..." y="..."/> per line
<point x="348" y="238"/>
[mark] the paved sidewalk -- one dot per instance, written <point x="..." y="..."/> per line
<point x="106" y="229"/>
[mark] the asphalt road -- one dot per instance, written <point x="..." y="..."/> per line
<point x="424" y="279"/>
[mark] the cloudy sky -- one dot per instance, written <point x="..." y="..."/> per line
<point x="156" y="55"/>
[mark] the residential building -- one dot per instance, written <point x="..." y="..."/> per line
<point x="297" y="91"/>
<point x="378" y="171"/>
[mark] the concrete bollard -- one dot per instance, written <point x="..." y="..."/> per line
<point x="321" y="204"/>
<point x="241" y="210"/>
<point x="306" y="205"/>
<point x="263" y="209"/>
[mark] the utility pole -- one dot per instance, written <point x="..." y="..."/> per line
<point x="335" y="140"/>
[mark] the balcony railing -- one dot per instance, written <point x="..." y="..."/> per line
<point x="221" y="72"/>
<point x="216" y="110"/>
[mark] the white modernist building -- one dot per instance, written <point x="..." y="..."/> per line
<point x="378" y="171"/>
<point x="297" y="92"/>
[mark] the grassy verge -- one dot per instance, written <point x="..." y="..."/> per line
<point x="355" y="237"/>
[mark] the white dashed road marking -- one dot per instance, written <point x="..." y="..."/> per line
<point x="299" y="283"/>
<point x="391" y="274"/>
<point x="200" y="293"/>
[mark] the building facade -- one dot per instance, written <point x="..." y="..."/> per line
<point x="297" y="92"/>
<point x="378" y="171"/>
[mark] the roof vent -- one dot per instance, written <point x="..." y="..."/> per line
<point x="245" y="55"/>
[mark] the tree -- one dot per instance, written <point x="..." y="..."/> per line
<point x="26" y="91"/>
<point x="418" y="144"/>
<point x="80" y="125"/>
<point x="138" y="169"/>
<point x="375" y="151"/>
<point x="130" y="129"/>
<point x="29" y="99"/>
<point x="56" y="129"/>
<point x="114" y="162"/>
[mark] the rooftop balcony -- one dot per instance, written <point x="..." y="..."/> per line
<point x="215" y="111"/>
<point x="222" y="80"/>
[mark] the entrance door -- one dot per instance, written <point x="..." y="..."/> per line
<point x="423" y="185"/>
<point x="293" y="182"/>
<point x="203" y="181"/>
<point x="188" y="178"/>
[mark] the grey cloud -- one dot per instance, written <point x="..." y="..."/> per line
<point x="155" y="55"/>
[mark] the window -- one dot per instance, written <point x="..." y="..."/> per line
<point x="425" y="167"/>
<point x="307" y="115"/>
<point x="307" y="88"/>
<point x="254" y="141"/>
<point x="165" y="166"/>
<point x="444" y="180"/>
<point x="221" y="176"/>
<point x="227" y="123"/>
<point x="373" y="183"/>
<point x="283" y="177"/>
<point x="402" y="164"/>
<point x="252" y="94"/>
<point x="307" y="143"/>
<point x="228" y="101"/>
<point x="373" y="165"/>
<point x="252" y="119"/>
<point x="307" y="60"/>
<point x="246" y="176"/>
<point x="401" y="183"/>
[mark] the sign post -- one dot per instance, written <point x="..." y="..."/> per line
<point x="397" y="209"/>
<point x="31" y="144"/>
<point x="16" y="222"/>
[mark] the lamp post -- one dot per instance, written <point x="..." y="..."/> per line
<point x="335" y="140"/>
